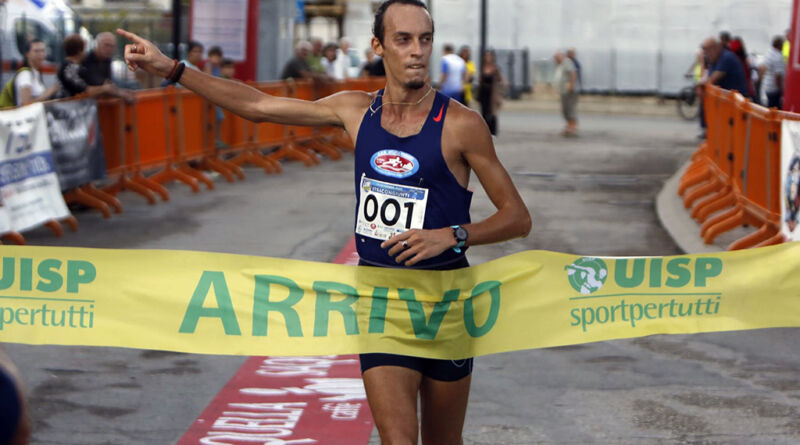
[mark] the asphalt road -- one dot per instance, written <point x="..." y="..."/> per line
<point x="591" y="195"/>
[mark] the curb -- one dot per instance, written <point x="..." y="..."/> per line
<point x="676" y="220"/>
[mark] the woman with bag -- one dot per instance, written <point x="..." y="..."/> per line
<point x="28" y="85"/>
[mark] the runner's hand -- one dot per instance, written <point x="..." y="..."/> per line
<point x="416" y="245"/>
<point x="145" y="55"/>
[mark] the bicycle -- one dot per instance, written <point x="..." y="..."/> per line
<point x="688" y="102"/>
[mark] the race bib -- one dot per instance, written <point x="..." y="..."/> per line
<point x="386" y="209"/>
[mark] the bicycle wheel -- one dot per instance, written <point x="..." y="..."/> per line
<point x="688" y="105"/>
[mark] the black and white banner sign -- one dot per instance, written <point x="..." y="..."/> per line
<point x="76" y="142"/>
<point x="29" y="188"/>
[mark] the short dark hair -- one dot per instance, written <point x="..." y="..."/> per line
<point x="227" y="62"/>
<point x="777" y="42"/>
<point x="724" y="36"/>
<point x="73" y="45"/>
<point x="215" y="51"/>
<point x="25" y="61"/>
<point x="378" y="29"/>
<point x="192" y="45"/>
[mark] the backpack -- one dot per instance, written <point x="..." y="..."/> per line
<point x="8" y="94"/>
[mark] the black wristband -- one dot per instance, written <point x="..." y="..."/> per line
<point x="178" y="73"/>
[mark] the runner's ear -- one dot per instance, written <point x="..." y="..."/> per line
<point x="377" y="48"/>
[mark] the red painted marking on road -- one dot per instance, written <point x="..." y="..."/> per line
<point x="289" y="400"/>
<point x="348" y="255"/>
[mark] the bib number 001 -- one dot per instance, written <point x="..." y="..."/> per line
<point x="386" y="209"/>
<point x="371" y="211"/>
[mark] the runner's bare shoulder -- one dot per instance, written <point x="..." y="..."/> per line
<point x="350" y="104"/>
<point x="465" y="127"/>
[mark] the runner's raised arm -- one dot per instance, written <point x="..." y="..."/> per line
<point x="237" y="97"/>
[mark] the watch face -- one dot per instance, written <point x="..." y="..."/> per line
<point x="461" y="234"/>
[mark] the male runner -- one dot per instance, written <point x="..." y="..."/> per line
<point x="415" y="150"/>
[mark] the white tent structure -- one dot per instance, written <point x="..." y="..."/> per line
<point x="623" y="45"/>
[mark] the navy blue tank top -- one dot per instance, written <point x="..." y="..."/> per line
<point x="404" y="183"/>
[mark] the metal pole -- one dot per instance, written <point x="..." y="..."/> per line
<point x="176" y="28"/>
<point x="483" y="38"/>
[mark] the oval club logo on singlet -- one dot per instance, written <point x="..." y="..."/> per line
<point x="394" y="163"/>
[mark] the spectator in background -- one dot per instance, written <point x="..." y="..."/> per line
<point x="14" y="422"/>
<point x="725" y="38"/>
<point x="369" y="59"/>
<point x="227" y="69"/>
<point x="737" y="47"/>
<point x="572" y="55"/>
<point x="329" y="57"/>
<point x="213" y="64"/>
<point x="773" y="73"/>
<point x="454" y="71"/>
<point x="698" y="68"/>
<point x="567" y="82"/>
<point x="297" y="67"/>
<point x="726" y="70"/>
<point x="373" y="66"/>
<point x="28" y="84"/>
<point x="72" y="75"/>
<point x="315" y="58"/>
<point x="343" y="62"/>
<point x="194" y="54"/>
<point x="490" y="87"/>
<point x="98" y="61"/>
<point x="469" y="76"/>
<point x="786" y="50"/>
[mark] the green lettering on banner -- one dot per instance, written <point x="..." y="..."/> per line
<point x="8" y="273"/>
<point x="655" y="272"/>
<point x="47" y="270"/>
<point x="706" y="268"/>
<point x="25" y="274"/>
<point x="469" y="311"/>
<point x="262" y="306"/>
<point x="678" y="268"/>
<point x="224" y="310"/>
<point x="79" y="272"/>
<point x="324" y="306"/>
<point x="377" y="312"/>
<point x="423" y="328"/>
<point x="621" y="272"/>
<point x="21" y="311"/>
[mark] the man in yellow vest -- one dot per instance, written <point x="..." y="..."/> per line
<point x="469" y="76"/>
<point x="786" y="46"/>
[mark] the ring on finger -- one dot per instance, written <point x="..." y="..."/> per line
<point x="405" y="244"/>
<point x="133" y="47"/>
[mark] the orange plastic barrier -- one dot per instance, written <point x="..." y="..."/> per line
<point x="122" y="154"/>
<point x="734" y="177"/>
<point x="171" y="134"/>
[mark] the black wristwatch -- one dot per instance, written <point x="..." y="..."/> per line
<point x="461" y="235"/>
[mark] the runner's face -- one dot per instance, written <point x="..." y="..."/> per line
<point x="407" y="44"/>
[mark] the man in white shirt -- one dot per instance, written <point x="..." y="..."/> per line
<point x="454" y="72"/>
<point x="773" y="71"/>
<point x="341" y="65"/>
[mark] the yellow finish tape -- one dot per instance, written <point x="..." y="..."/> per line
<point x="212" y="303"/>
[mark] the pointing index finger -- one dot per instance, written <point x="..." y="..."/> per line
<point x="130" y="36"/>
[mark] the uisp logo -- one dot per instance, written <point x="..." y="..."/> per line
<point x="587" y="274"/>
